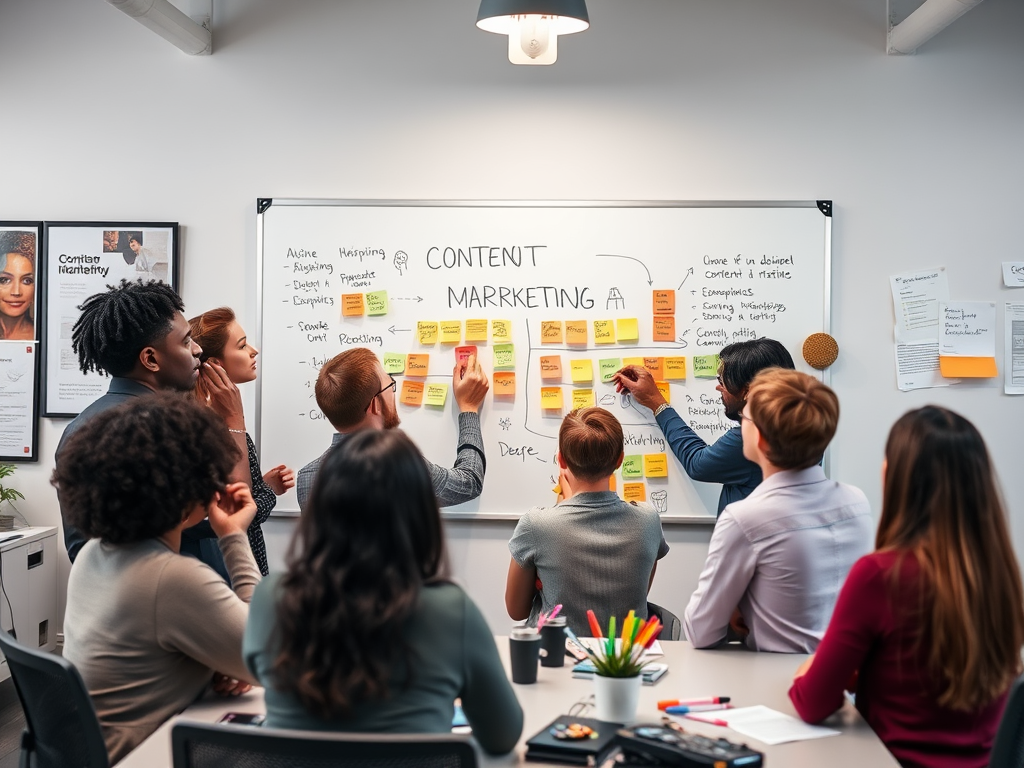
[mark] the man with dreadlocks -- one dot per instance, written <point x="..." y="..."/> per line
<point x="136" y="333"/>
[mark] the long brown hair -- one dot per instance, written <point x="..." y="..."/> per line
<point x="369" y="540"/>
<point x="210" y="331"/>
<point x="941" y="503"/>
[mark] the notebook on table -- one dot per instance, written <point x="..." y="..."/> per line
<point x="547" y="746"/>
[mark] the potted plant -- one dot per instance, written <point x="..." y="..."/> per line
<point x="7" y="497"/>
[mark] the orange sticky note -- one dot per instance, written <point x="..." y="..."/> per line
<point x="504" y="383"/>
<point x="634" y="492"/>
<point x="611" y="483"/>
<point x="665" y="302"/>
<point x="665" y="392"/>
<point x="551" y="398"/>
<point x="967" y="367"/>
<point x="656" y="365"/>
<point x="604" y="331"/>
<point x="551" y="332"/>
<point x="451" y="331"/>
<point x="426" y="332"/>
<point x="476" y="330"/>
<point x="551" y="367"/>
<point x="664" y="328"/>
<point x="675" y="368"/>
<point x="655" y="465"/>
<point x="417" y="365"/>
<point x="583" y="398"/>
<point x="351" y="304"/>
<point x="412" y="393"/>
<point x="575" y="331"/>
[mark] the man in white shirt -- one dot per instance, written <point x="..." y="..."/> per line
<point x="778" y="558"/>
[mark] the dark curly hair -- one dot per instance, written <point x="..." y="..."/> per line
<point x="131" y="473"/>
<point x="16" y="241"/>
<point x="116" y="326"/>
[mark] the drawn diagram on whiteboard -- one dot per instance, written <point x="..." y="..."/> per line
<point x="401" y="262"/>
<point x="615" y="300"/>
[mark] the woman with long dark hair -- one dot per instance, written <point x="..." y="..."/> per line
<point x="363" y="632"/>
<point x="928" y="629"/>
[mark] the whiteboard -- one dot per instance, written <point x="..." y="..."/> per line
<point x="737" y="271"/>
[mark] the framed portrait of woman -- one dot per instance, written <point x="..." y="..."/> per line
<point x="81" y="259"/>
<point x="20" y="243"/>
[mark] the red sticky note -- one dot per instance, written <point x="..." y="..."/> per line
<point x="462" y="353"/>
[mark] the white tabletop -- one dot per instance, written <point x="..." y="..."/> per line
<point x="749" y="678"/>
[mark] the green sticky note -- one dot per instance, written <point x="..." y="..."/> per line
<point x="377" y="303"/>
<point x="504" y="356"/>
<point x="632" y="466"/>
<point x="394" y="362"/>
<point x="436" y="394"/>
<point x="705" y="366"/>
<point x="609" y="367"/>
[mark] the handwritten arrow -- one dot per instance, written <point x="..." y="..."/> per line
<point x="688" y="273"/>
<point x="398" y="330"/>
<point x="650" y="280"/>
<point x="417" y="299"/>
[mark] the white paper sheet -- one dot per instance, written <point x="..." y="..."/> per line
<point x="770" y="726"/>
<point x="1013" y="348"/>
<point x="17" y="363"/>
<point x="915" y="298"/>
<point x="1013" y="274"/>
<point x="917" y="366"/>
<point x="967" y="328"/>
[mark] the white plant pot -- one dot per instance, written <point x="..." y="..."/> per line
<point x="616" y="698"/>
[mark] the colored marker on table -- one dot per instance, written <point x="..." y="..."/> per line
<point x="664" y="703"/>
<point x="709" y="720"/>
<point x="685" y="710"/>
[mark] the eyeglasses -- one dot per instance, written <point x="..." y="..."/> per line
<point x="393" y="385"/>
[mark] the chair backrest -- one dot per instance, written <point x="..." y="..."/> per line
<point x="63" y="731"/>
<point x="201" y="745"/>
<point x="673" y="626"/>
<point x="1008" y="748"/>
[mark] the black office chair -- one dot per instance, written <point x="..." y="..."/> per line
<point x="1008" y="749"/>
<point x="62" y="727"/>
<point x="200" y="745"/>
<point x="673" y="626"/>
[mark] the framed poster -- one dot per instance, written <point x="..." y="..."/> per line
<point x="81" y="259"/>
<point x="19" y="345"/>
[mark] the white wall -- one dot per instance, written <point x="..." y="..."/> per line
<point x="735" y="99"/>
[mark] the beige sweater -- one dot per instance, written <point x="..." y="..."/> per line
<point x="147" y="628"/>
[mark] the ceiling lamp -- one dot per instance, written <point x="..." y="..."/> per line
<point x="533" y="26"/>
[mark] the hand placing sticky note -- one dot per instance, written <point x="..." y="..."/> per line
<point x="412" y="393"/>
<point x="655" y="465"/>
<point x="608" y="367"/>
<point x="576" y="332"/>
<point x="627" y="329"/>
<point x="582" y="371"/>
<point x="551" y="367"/>
<point x="705" y="366"/>
<point x="664" y="390"/>
<point x="476" y="330"/>
<point x="634" y="492"/>
<point x="551" y="398"/>
<point x="551" y="332"/>
<point x="656" y="365"/>
<point x="426" y="332"/>
<point x="417" y="365"/>
<point x="501" y="330"/>
<point x="377" y="303"/>
<point x="583" y="398"/>
<point x="604" y="331"/>
<point x="632" y="466"/>
<point x="451" y="331"/>
<point x="504" y="383"/>
<point x="675" y="368"/>
<point x="664" y="328"/>
<point x="394" y="362"/>
<point x="351" y="305"/>
<point x="504" y="356"/>
<point x="665" y="302"/>
<point x="436" y="394"/>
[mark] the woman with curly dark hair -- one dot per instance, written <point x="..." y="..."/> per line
<point x="146" y="626"/>
<point x="364" y="632"/>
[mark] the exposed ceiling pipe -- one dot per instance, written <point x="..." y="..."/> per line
<point x="170" y="23"/>
<point x="924" y="23"/>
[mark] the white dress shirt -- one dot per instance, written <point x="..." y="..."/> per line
<point x="781" y="555"/>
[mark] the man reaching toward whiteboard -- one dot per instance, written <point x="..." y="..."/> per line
<point x="354" y="393"/>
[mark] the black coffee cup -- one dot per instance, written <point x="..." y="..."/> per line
<point x="552" y="643"/>
<point x="524" y="650"/>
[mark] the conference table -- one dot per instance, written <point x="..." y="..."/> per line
<point x="748" y="678"/>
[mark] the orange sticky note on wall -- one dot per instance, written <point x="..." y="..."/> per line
<point x="551" y="332"/>
<point x="351" y="304"/>
<point x="611" y="483"/>
<point x="575" y="331"/>
<point x="504" y="383"/>
<point x="665" y="302"/>
<point x="665" y="328"/>
<point x="417" y="365"/>
<point x="675" y="368"/>
<point x="412" y="393"/>
<point x="551" y="398"/>
<point x="551" y="367"/>
<point x="634" y="492"/>
<point x="656" y="365"/>
<point x="967" y="367"/>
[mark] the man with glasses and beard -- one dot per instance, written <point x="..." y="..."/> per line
<point x="354" y="393"/>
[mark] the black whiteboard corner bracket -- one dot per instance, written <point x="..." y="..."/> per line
<point x="262" y="203"/>
<point x="825" y="206"/>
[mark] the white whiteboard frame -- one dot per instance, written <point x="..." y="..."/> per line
<point x="262" y="204"/>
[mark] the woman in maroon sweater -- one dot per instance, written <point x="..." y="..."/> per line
<point x="928" y="629"/>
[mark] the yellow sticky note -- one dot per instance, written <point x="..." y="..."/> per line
<point x="551" y="398"/>
<point x="504" y="383"/>
<point x="675" y="368"/>
<point x="451" y="331"/>
<point x="634" y="492"/>
<point x="665" y="392"/>
<point x="583" y="398"/>
<point x="705" y="366"/>
<point x="967" y="367"/>
<point x="665" y="302"/>
<point x="412" y="393"/>
<point x="655" y="465"/>
<point x="551" y="332"/>
<point x="394" y="362"/>
<point x="504" y="356"/>
<point x="551" y="367"/>
<point x="633" y="361"/>
<point x="582" y="371"/>
<point x="476" y="330"/>
<point x="351" y="304"/>
<point x="501" y="330"/>
<point x="417" y="365"/>
<point x="664" y="328"/>
<point x="377" y="303"/>
<point x="627" y="329"/>
<point x="576" y="332"/>
<point x="426" y="332"/>
<point x="436" y="395"/>
<point x="604" y="331"/>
